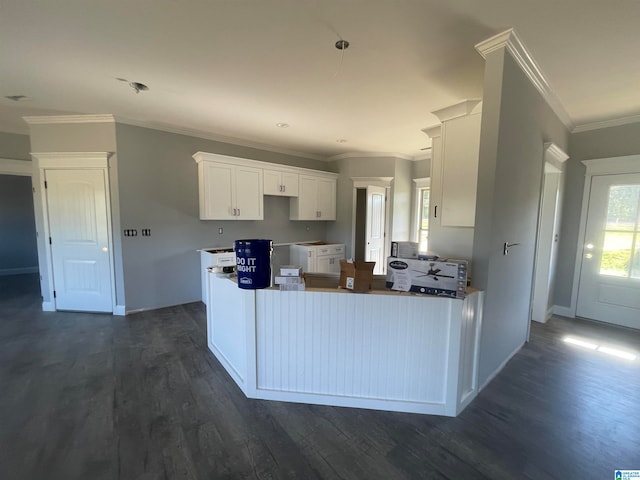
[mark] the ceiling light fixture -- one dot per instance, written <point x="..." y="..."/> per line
<point x="282" y="125"/>
<point x="138" y="87"/>
<point x="341" y="45"/>
<point x="17" y="98"/>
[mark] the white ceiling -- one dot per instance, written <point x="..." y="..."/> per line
<point x="232" y="69"/>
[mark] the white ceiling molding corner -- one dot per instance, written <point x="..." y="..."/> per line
<point x="364" y="182"/>
<point x="9" y="166"/>
<point x="461" y="109"/>
<point x="554" y="152"/>
<point x="616" y="122"/>
<point x="433" y="132"/>
<point x="514" y="45"/>
<point x="57" y="119"/>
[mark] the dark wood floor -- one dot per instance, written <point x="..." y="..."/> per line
<point x="140" y="397"/>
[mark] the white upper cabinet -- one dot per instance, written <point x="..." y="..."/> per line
<point x="282" y="183"/>
<point x="232" y="188"/>
<point x="316" y="198"/>
<point x="229" y="191"/>
<point x="454" y="170"/>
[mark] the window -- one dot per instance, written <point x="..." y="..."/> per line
<point x="423" y="225"/>
<point x="422" y="213"/>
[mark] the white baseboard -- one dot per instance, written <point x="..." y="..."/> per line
<point x="564" y="311"/>
<point x="17" y="271"/>
<point x="119" y="311"/>
<point x="48" y="307"/>
<point x="500" y="367"/>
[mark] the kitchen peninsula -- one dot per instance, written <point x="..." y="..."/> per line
<point x="379" y="350"/>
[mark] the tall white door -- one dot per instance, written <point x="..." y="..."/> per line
<point x="609" y="288"/>
<point x="79" y="237"/>
<point x="375" y="228"/>
<point x="546" y="247"/>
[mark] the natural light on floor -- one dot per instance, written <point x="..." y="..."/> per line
<point x="593" y="346"/>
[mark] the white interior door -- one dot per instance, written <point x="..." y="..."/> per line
<point x="609" y="288"/>
<point x="375" y="228"/>
<point x="546" y="247"/>
<point x="79" y="233"/>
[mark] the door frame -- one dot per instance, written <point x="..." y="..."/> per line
<point x="597" y="166"/>
<point x="73" y="161"/>
<point x="553" y="164"/>
<point x="364" y="182"/>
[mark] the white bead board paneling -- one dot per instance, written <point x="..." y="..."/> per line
<point x="469" y="349"/>
<point x="366" y="346"/>
<point x="230" y="310"/>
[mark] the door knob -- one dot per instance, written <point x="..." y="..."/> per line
<point x="507" y="246"/>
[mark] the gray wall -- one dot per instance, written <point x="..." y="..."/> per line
<point x="158" y="189"/>
<point x="607" y="142"/>
<point x="516" y="122"/>
<point x="14" y="146"/>
<point x="401" y="193"/>
<point x="18" y="250"/>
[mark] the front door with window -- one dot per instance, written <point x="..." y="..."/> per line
<point x="609" y="289"/>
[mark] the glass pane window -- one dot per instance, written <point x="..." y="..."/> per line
<point x="621" y="246"/>
<point x="423" y="224"/>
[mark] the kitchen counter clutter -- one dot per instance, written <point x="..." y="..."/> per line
<point x="386" y="350"/>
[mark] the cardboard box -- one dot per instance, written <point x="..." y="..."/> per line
<point x="355" y="275"/>
<point x="290" y="271"/>
<point x="447" y="278"/>
<point x="292" y="287"/>
<point x="287" y="280"/>
<point x="404" y="249"/>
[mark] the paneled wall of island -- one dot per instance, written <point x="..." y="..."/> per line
<point x="379" y="350"/>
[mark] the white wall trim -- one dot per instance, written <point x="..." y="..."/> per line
<point x="614" y="122"/>
<point x="119" y="310"/>
<point x="422" y="182"/>
<point x="48" y="307"/>
<point x="514" y="45"/>
<point x="364" y="182"/>
<point x="612" y="165"/>
<point x="461" y="109"/>
<point x="9" y="166"/>
<point x="72" y="159"/>
<point x="554" y="153"/>
<point x="563" y="311"/>
<point x="344" y="156"/>
<point x="17" y="271"/>
<point x="58" y="119"/>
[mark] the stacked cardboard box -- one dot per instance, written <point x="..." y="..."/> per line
<point x="356" y="276"/>
<point x="290" y="278"/>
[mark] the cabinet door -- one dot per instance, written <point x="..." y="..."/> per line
<point x="328" y="264"/>
<point x="216" y="199"/>
<point x="272" y="182"/>
<point x="460" y="141"/>
<point x="327" y="198"/>
<point x="305" y="206"/>
<point x="248" y="193"/>
<point x="289" y="184"/>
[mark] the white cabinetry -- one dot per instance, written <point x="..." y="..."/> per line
<point x="229" y="190"/>
<point x="454" y="170"/>
<point x="319" y="258"/>
<point x="280" y="182"/>
<point x="316" y="199"/>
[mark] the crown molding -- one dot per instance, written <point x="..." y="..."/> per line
<point x="10" y="166"/>
<point x="461" y="109"/>
<point x="433" y="132"/>
<point x="614" y="122"/>
<point x="58" y="119"/>
<point x="241" y="142"/>
<point x="612" y="165"/>
<point x="555" y="153"/>
<point x="514" y="45"/>
<point x="344" y="156"/>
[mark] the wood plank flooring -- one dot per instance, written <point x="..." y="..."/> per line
<point x="141" y="397"/>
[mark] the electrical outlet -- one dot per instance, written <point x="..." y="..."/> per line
<point x="220" y="230"/>
<point x="146" y="232"/>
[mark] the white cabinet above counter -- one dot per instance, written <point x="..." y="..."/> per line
<point x="232" y="188"/>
